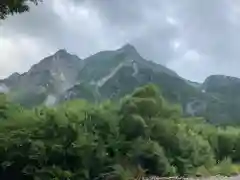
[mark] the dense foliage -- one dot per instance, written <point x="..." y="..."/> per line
<point x="140" y="135"/>
<point x="14" y="6"/>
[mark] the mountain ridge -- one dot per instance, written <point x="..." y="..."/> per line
<point x="114" y="73"/>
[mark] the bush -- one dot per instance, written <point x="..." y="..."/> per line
<point x="225" y="168"/>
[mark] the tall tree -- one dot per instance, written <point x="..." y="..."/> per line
<point x="9" y="7"/>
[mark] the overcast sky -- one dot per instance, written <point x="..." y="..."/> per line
<point x="196" y="38"/>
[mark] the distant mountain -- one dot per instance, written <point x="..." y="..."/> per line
<point x="226" y="85"/>
<point x="49" y="78"/>
<point x="223" y="98"/>
<point x="113" y="74"/>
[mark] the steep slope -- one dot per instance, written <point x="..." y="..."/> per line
<point x="101" y="64"/>
<point x="50" y="77"/>
<point x="113" y="74"/>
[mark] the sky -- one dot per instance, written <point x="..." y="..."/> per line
<point x="196" y="38"/>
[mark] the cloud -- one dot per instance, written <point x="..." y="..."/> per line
<point x="165" y="31"/>
<point x="16" y="54"/>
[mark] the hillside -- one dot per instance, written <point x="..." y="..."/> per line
<point x="112" y="75"/>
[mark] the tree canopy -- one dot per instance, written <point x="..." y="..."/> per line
<point x="142" y="135"/>
<point x="10" y="7"/>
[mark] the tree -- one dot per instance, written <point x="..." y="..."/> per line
<point x="141" y="136"/>
<point x="10" y="7"/>
<point x="150" y="156"/>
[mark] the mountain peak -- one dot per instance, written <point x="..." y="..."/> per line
<point x="130" y="51"/>
<point x="128" y="48"/>
<point x="61" y="52"/>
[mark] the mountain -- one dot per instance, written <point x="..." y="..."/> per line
<point x="113" y="74"/>
<point x="44" y="81"/>
<point x="223" y="98"/>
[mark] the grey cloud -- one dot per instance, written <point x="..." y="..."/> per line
<point x="41" y="22"/>
<point x="208" y="27"/>
<point x="126" y="14"/>
<point x="47" y="25"/>
<point x="143" y="22"/>
<point x="203" y="25"/>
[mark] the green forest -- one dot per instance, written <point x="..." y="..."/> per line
<point x="140" y="135"/>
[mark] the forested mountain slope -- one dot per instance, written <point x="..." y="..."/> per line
<point x="112" y="75"/>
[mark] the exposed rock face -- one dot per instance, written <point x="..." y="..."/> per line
<point x="113" y="74"/>
<point x="51" y="76"/>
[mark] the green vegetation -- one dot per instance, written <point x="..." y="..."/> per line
<point x="14" y="6"/>
<point x="140" y="135"/>
<point x="115" y="74"/>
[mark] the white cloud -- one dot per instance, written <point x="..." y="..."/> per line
<point x="18" y="54"/>
<point x="191" y="66"/>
